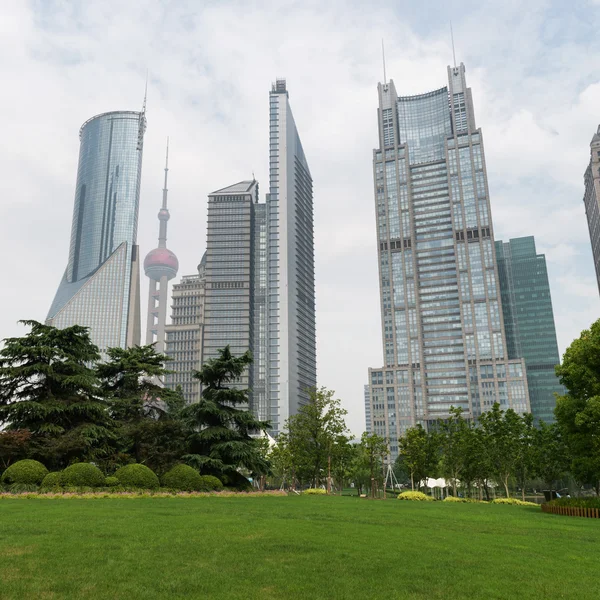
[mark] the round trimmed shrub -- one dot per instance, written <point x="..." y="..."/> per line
<point x="183" y="478"/>
<point x="315" y="492"/>
<point x="82" y="475"/>
<point x="210" y="483"/>
<point x="112" y="482"/>
<point x="137" y="476"/>
<point x="415" y="497"/>
<point x="52" y="480"/>
<point x="30" y="472"/>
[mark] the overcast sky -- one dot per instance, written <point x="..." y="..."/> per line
<point x="534" y="69"/>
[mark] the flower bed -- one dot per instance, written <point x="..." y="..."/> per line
<point x="135" y="494"/>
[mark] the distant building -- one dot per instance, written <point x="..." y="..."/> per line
<point x="183" y="337"/>
<point x="100" y="287"/>
<point x="529" y="320"/>
<point x="160" y="265"/>
<point x="443" y="334"/>
<point x="368" y="427"/>
<point x="591" y="200"/>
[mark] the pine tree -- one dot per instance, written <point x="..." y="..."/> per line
<point x="221" y="442"/>
<point x="48" y="387"/>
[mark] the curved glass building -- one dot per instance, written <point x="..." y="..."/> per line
<point x="444" y="343"/>
<point x="100" y="287"/>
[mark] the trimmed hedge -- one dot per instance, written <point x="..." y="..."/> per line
<point x="576" y="502"/>
<point x="513" y="501"/>
<point x="111" y="482"/>
<point x="210" y="483"/>
<point x="415" y="497"/>
<point x="29" y="472"/>
<point x="82" y="475"/>
<point x="51" y="481"/>
<point x="315" y="492"/>
<point x="137" y="476"/>
<point x="183" y="478"/>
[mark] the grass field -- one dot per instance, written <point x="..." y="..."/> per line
<point x="297" y="547"/>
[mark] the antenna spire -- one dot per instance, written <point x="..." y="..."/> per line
<point x="165" y="189"/>
<point x="452" y="37"/>
<point x="383" y="56"/>
<point x="145" y="94"/>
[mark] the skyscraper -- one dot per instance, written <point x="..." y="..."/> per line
<point x="368" y="409"/>
<point x="160" y="265"/>
<point x="100" y="287"/>
<point x="442" y="328"/>
<point x="591" y="200"/>
<point x="183" y="343"/>
<point x="228" y="315"/>
<point x="291" y="364"/>
<point x="529" y="320"/>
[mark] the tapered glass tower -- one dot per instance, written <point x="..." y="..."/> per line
<point x="100" y="287"/>
<point x="441" y="315"/>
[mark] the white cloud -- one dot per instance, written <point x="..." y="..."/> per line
<point x="536" y="90"/>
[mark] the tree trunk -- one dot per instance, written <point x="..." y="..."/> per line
<point x="329" y="474"/>
<point x="523" y="492"/>
<point x="505" y="482"/>
<point x="412" y="482"/>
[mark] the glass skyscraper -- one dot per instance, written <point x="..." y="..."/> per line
<point x="529" y="320"/>
<point x="441" y="314"/>
<point x="292" y="362"/>
<point x="591" y="199"/>
<point x="100" y="287"/>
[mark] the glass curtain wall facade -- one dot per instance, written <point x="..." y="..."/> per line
<point x="591" y="200"/>
<point x="368" y="409"/>
<point x="291" y="365"/>
<point x="183" y="337"/>
<point x="442" y="327"/>
<point x="529" y="320"/>
<point x="105" y="218"/>
<point x="228" y="314"/>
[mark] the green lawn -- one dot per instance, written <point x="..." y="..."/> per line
<point x="297" y="547"/>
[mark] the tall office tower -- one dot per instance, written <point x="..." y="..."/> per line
<point x="368" y="409"/>
<point x="100" y="287"/>
<point x="591" y="200"/>
<point x="292" y="367"/>
<point x="160" y="265"/>
<point x="442" y="328"/>
<point x="529" y="320"/>
<point x="183" y="337"/>
<point x="228" y="314"/>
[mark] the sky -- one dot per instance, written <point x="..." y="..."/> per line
<point x="534" y="70"/>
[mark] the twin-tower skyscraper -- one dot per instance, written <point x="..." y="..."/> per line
<point x="259" y="263"/>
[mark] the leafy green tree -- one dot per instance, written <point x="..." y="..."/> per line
<point x="313" y="434"/>
<point x="48" y="386"/>
<point x="526" y="453"/>
<point x="476" y="465"/>
<point x="282" y="464"/>
<point x="376" y="448"/>
<point x="551" y="456"/>
<point x="221" y="441"/>
<point x="146" y="415"/>
<point x="453" y="446"/>
<point x="578" y="411"/>
<point x="360" y="473"/>
<point x="420" y="453"/>
<point x="502" y="430"/>
<point x="14" y="445"/>
<point x="341" y="460"/>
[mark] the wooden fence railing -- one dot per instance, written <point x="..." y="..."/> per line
<point x="572" y="511"/>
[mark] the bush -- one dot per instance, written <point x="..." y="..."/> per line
<point x="513" y="501"/>
<point x="111" y="482"/>
<point x="236" y="481"/>
<point x="183" y="478"/>
<point x="20" y="488"/>
<point x="26" y="471"/>
<point x="82" y="475"/>
<point x="576" y="502"/>
<point x="415" y="496"/>
<point x="51" y="481"/>
<point x="210" y="483"/>
<point x="137" y="476"/>
<point x="454" y="499"/>
<point x="315" y="492"/>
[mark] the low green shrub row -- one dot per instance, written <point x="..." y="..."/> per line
<point x="577" y="502"/>
<point x="513" y="501"/>
<point x="463" y="500"/>
<point x="315" y="492"/>
<point x="415" y="497"/>
<point x="31" y="475"/>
